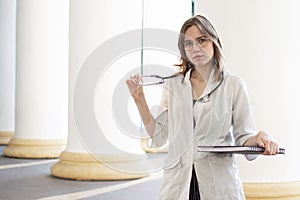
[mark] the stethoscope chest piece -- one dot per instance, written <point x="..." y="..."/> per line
<point x="205" y="99"/>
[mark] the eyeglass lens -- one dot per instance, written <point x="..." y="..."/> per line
<point x="201" y="41"/>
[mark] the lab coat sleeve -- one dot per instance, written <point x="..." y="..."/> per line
<point x="242" y="117"/>
<point x="160" y="136"/>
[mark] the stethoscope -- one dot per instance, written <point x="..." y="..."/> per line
<point x="161" y="80"/>
<point x="206" y="98"/>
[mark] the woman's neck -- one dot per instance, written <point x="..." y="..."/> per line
<point x="202" y="73"/>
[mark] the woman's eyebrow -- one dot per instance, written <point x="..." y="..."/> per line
<point x="202" y="36"/>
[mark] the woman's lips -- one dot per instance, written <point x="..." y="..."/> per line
<point x="197" y="56"/>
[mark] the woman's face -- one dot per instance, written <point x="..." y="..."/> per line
<point x="198" y="48"/>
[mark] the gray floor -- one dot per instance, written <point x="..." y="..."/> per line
<point x="26" y="179"/>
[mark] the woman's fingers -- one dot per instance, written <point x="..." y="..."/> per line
<point x="271" y="147"/>
<point x="134" y="87"/>
<point x="264" y="140"/>
<point x="135" y="79"/>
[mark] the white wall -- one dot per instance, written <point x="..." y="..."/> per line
<point x="261" y="43"/>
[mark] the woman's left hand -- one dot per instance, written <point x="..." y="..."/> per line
<point x="265" y="140"/>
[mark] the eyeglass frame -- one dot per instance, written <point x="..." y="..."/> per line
<point x="198" y="42"/>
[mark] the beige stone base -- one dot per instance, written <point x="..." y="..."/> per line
<point x="83" y="166"/>
<point x="34" y="148"/>
<point x="274" y="191"/>
<point x="5" y="136"/>
<point x="145" y="147"/>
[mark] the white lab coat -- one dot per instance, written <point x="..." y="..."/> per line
<point x="228" y="108"/>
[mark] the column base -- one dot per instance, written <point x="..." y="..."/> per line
<point x="34" y="148"/>
<point x="83" y="166"/>
<point x="272" y="191"/>
<point x="5" y="137"/>
<point x="145" y="147"/>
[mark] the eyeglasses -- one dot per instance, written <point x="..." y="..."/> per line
<point x="201" y="41"/>
<point x="147" y="80"/>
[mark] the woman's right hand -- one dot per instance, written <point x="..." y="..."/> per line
<point x="137" y="93"/>
<point x="135" y="90"/>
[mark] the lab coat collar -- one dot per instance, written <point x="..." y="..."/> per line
<point x="187" y="76"/>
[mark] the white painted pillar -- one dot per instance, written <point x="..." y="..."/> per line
<point x="41" y="79"/>
<point x="261" y="43"/>
<point x="105" y="49"/>
<point x="7" y="69"/>
<point x="91" y="24"/>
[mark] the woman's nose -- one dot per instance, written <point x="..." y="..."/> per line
<point x="196" y="46"/>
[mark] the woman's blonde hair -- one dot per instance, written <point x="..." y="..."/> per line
<point x="209" y="31"/>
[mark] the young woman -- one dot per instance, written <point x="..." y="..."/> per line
<point x="203" y="106"/>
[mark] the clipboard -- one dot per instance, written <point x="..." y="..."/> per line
<point x="236" y="149"/>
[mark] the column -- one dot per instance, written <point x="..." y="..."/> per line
<point x="41" y="79"/>
<point x="104" y="141"/>
<point x="89" y="154"/>
<point x="261" y="43"/>
<point x="7" y="69"/>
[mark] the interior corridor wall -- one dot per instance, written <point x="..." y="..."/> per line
<point x="261" y="43"/>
